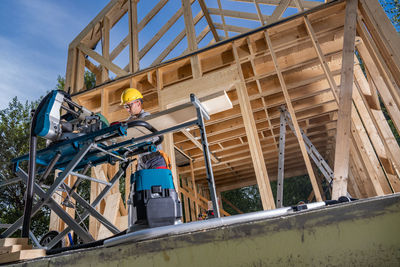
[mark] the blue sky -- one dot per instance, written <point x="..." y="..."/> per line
<point x="34" y="37"/>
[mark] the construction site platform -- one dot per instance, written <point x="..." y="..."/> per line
<point x="359" y="233"/>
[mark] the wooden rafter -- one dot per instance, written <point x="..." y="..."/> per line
<point x="306" y="4"/>
<point x="342" y="152"/>
<point x="209" y="20"/>
<point x="103" y="61"/>
<point x="294" y="120"/>
<point x="175" y="42"/>
<point x="236" y="14"/>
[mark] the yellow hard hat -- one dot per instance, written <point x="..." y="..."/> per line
<point x="129" y="95"/>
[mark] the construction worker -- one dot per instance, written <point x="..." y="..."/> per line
<point x="132" y="100"/>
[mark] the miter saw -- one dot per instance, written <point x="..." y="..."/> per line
<point x="76" y="121"/>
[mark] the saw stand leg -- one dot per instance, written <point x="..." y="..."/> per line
<point x="46" y="199"/>
<point x="281" y="162"/>
<point x="90" y="208"/>
<point x="201" y="114"/>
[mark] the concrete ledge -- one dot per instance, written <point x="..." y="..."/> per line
<point x="362" y="233"/>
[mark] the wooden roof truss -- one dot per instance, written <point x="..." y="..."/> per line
<point x="309" y="62"/>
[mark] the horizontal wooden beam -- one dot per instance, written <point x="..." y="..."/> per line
<point x="236" y="14"/>
<point x="106" y="63"/>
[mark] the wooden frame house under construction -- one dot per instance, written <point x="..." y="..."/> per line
<point x="333" y="66"/>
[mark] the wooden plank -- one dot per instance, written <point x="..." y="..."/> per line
<point x="353" y="185"/>
<point x="368" y="156"/>
<point x="95" y="189"/>
<point x="384" y="143"/>
<point x="14" y="248"/>
<point x="383" y="32"/>
<point x="80" y="72"/>
<point x="377" y="78"/>
<point x="222" y="18"/>
<point x="198" y="144"/>
<point x="294" y="120"/>
<point x="174" y="43"/>
<point x="186" y="203"/>
<point x="208" y="84"/>
<point x="278" y="11"/>
<point x="92" y="67"/>
<point x="390" y="81"/>
<point x="122" y="223"/>
<point x="134" y="37"/>
<point x="22" y="255"/>
<point x="105" y="47"/>
<point x="70" y="72"/>
<point x="152" y="13"/>
<point x="236" y="14"/>
<point x="319" y="52"/>
<point x="259" y="13"/>
<point x="110" y="213"/>
<point x="209" y="20"/>
<point x="359" y="175"/>
<point x="55" y="221"/>
<point x="342" y="152"/>
<point x="93" y="23"/>
<point x="10" y="241"/>
<point x="392" y="144"/>
<point x="191" y="37"/>
<point x="231" y="205"/>
<point x="118" y="49"/>
<point x="196" y="205"/>
<point x="306" y="4"/>
<point x="168" y="146"/>
<point x="106" y="63"/>
<point x="161" y="32"/>
<point x="232" y="28"/>
<point x="260" y="169"/>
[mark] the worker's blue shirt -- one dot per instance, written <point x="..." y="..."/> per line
<point x="145" y="161"/>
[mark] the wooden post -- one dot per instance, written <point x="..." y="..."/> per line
<point x="106" y="47"/>
<point x="169" y="148"/>
<point x="194" y="188"/>
<point x="80" y="72"/>
<point x="191" y="37"/>
<point x="343" y="132"/>
<point x="70" y="72"/>
<point x="257" y="156"/>
<point x="134" y="37"/>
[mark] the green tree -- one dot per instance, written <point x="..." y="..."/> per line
<point x="392" y="8"/>
<point x="247" y="199"/>
<point x="14" y="131"/>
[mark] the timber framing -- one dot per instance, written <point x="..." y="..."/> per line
<point x="295" y="61"/>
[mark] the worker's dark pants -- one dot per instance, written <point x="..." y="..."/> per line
<point x="152" y="161"/>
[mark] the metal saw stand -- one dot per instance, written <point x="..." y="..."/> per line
<point x="90" y="152"/>
<point x="45" y="198"/>
<point x="319" y="161"/>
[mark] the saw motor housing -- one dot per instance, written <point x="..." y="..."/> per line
<point x="76" y="120"/>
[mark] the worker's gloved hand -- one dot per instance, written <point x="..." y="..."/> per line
<point x="115" y="122"/>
